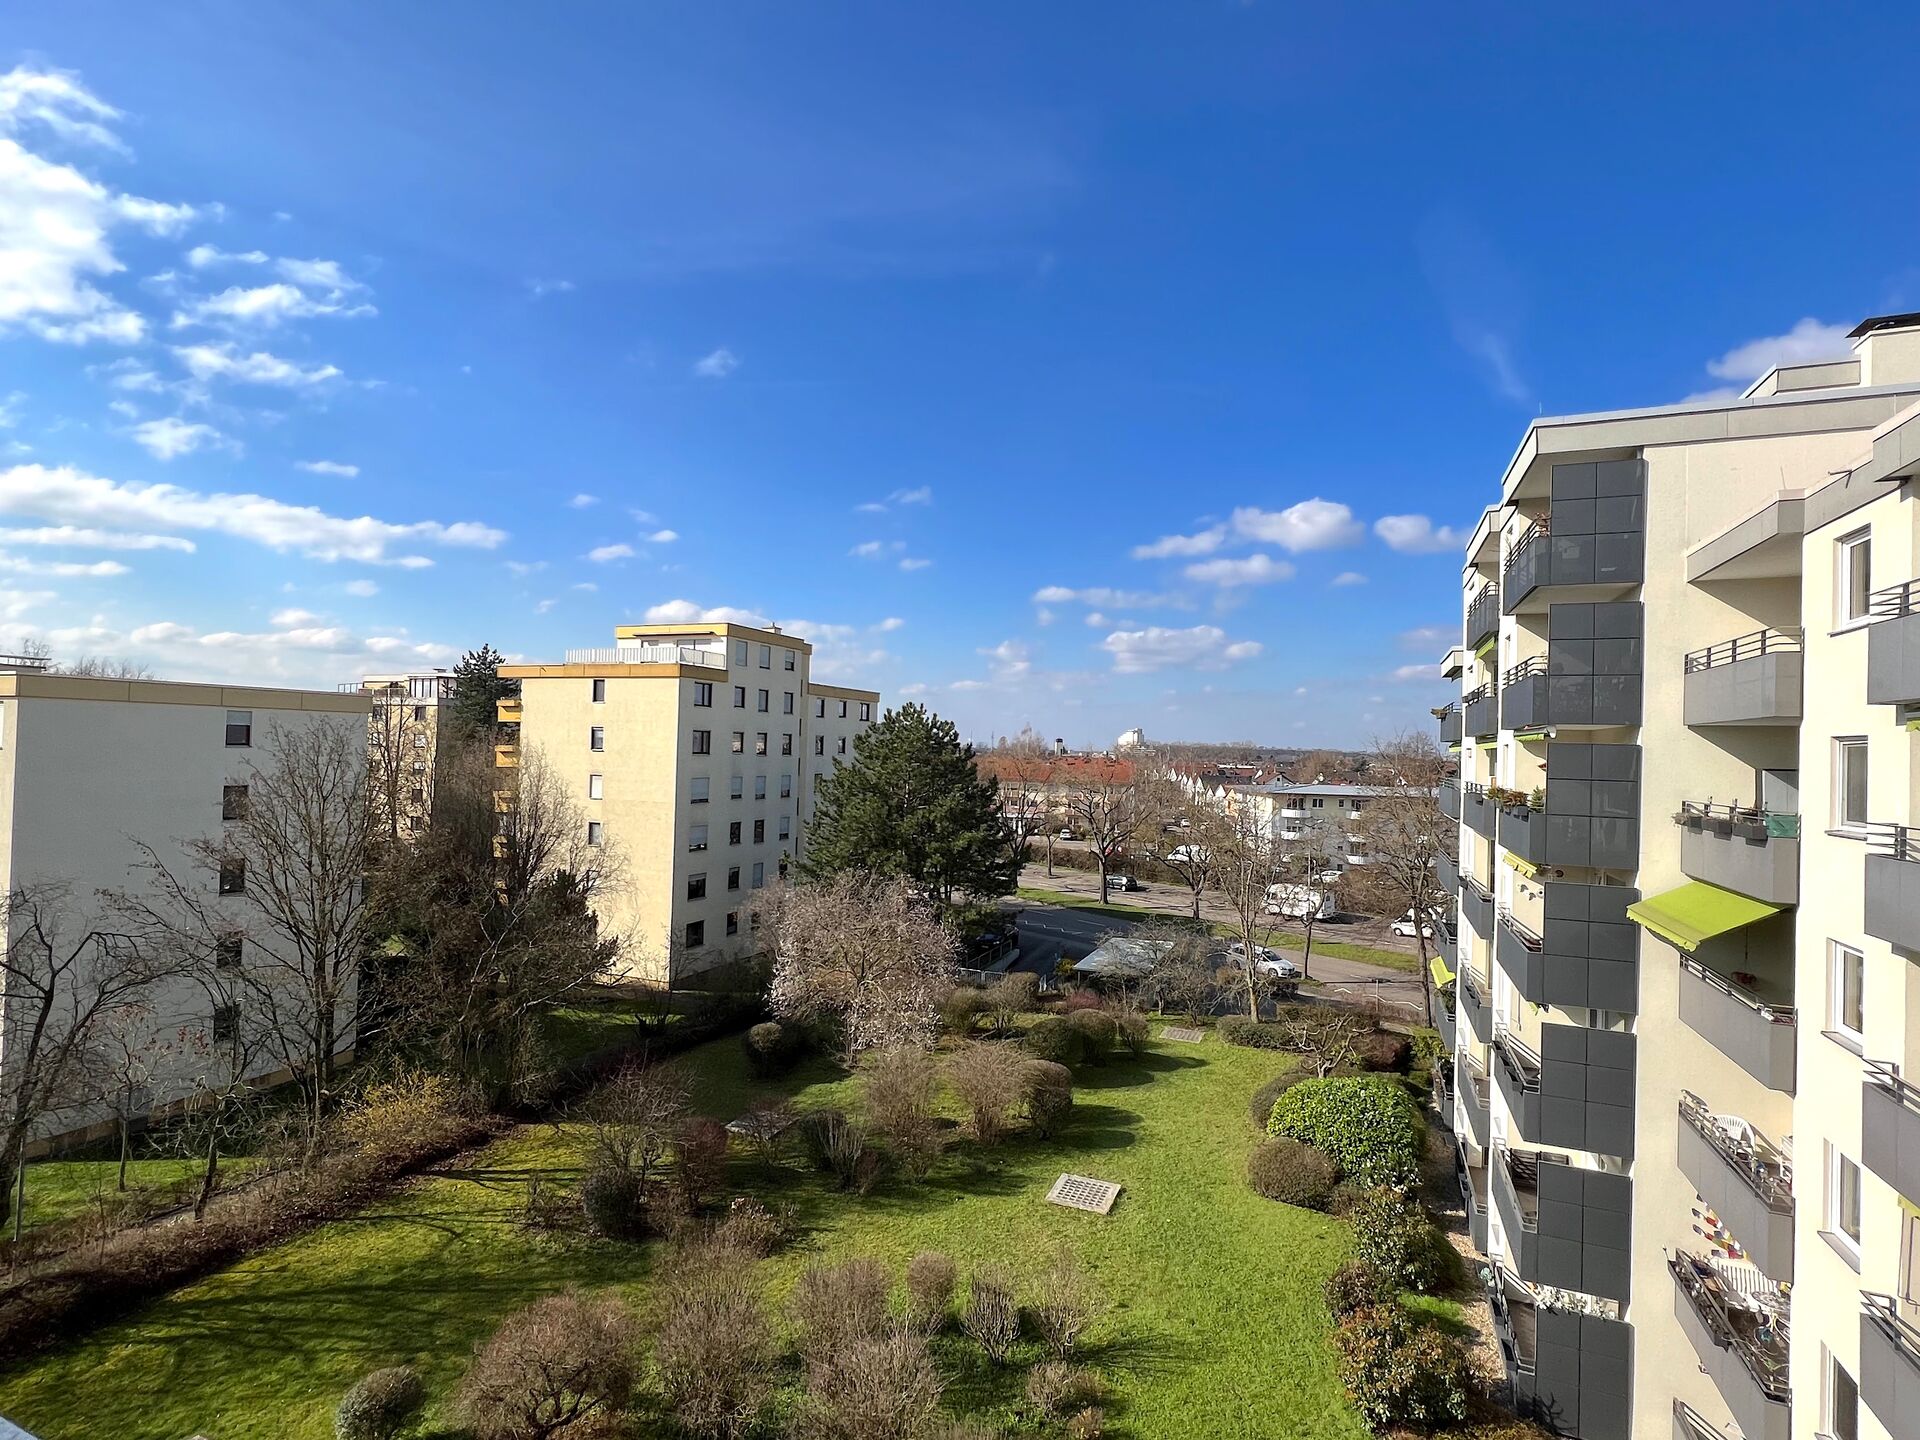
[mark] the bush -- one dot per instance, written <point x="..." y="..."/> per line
<point x="1054" y="1039"/>
<point x="1427" y="1049"/>
<point x="930" y="1280"/>
<point x="772" y="1048"/>
<point x="700" y="1161"/>
<point x="1133" y="1031"/>
<point x="988" y="1080"/>
<point x="1355" y="1286"/>
<point x="1260" y="1107"/>
<point x="836" y="1305"/>
<point x="1253" y="1034"/>
<point x="1392" y="1234"/>
<point x="878" y="1388"/>
<point x="1064" y="1307"/>
<point x="615" y="1203"/>
<point x="1346" y="1198"/>
<point x="1292" y="1173"/>
<point x="992" y="1316"/>
<point x="1075" y="1001"/>
<point x="714" y="1352"/>
<point x="1382" y="1050"/>
<point x="1012" y="996"/>
<point x="1097" y="1033"/>
<point x="1089" y="1424"/>
<point x="402" y="1113"/>
<point x="1046" y="1094"/>
<point x="901" y="1089"/>
<point x="838" y="1146"/>
<point x="1057" y="1388"/>
<point x="552" y="1364"/>
<point x="959" y="1008"/>
<point x="1402" y="1374"/>
<point x="380" y="1404"/>
<point x="1367" y="1123"/>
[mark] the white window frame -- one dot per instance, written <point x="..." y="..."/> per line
<point x="597" y="738"/>
<point x="1838" y="956"/>
<point x="1829" y="1384"/>
<point x="599" y="691"/>
<point x="1844" y="746"/>
<point x="1838" y="1165"/>
<point x="596" y="787"/>
<point x="1852" y="554"/>
<point x="594" y="832"/>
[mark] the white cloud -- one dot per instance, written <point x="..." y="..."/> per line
<point x="1203" y="647"/>
<point x="319" y="275"/>
<point x="585" y="586"/>
<point x="1808" y="341"/>
<point x="870" y="507"/>
<point x="717" y="364"/>
<point x="1096" y="620"/>
<point x="282" y="619"/>
<point x="15" y="603"/>
<point x="201" y="256"/>
<point x="1044" y="616"/>
<point x="520" y="569"/>
<point x="1101" y="597"/>
<point x="57" y="100"/>
<point x="225" y="362"/>
<point x="1426" y="637"/>
<point x="1011" y="659"/>
<point x="298" y="650"/>
<point x="540" y="289"/>
<point x="890" y="624"/>
<point x="10" y="409"/>
<point x="131" y="374"/>
<point x="1170" y="546"/>
<point x="919" y="495"/>
<point x="604" y="554"/>
<point x="1249" y="570"/>
<point x="873" y="549"/>
<point x="364" y="589"/>
<point x="1348" y="577"/>
<point x="914" y="562"/>
<point x="268" y="305"/>
<point x="1417" y="535"/>
<point x="172" y="437"/>
<point x="1314" y="524"/>
<point x="1417" y="672"/>
<point x="685" y="612"/>
<point x="68" y="496"/>
<point x="663" y="537"/>
<point x="582" y="501"/>
<point x="543" y="606"/>
<point x="80" y="536"/>
<point x="65" y="569"/>
<point x="328" y="467"/>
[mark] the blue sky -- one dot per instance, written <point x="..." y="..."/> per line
<point x="1086" y="365"/>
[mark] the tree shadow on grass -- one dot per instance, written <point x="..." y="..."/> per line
<point x="1123" y="1072"/>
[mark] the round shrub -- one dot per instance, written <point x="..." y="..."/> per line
<point x="1057" y="1388"/>
<point x="1292" y="1173"/>
<point x="1251" y="1033"/>
<point x="1097" y="1033"/>
<point x="1402" y="1374"/>
<point x="615" y="1202"/>
<point x="379" y="1405"/>
<point x="1260" y="1107"/>
<point x="1356" y="1285"/>
<point x="1367" y="1123"/>
<point x="1046" y="1094"/>
<point x="1393" y="1235"/>
<point x="772" y="1048"/>
<point x="959" y="1007"/>
<point x="1089" y="1424"/>
<point x="1384" y="1051"/>
<point x="1133" y="1031"/>
<point x="1054" y="1039"/>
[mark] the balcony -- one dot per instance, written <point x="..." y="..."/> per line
<point x="507" y="709"/>
<point x="1744" y="1179"/>
<point x="1483" y="617"/>
<point x="1592" y="674"/>
<point x="1482" y="712"/>
<point x="1476" y="906"/>
<point x="1753" y="679"/>
<point x="1741" y="848"/>
<point x="1472" y="1180"/>
<point x="506" y="757"/>
<point x="1446" y="872"/>
<point x="1442" y="1017"/>
<point x="1593" y="806"/>
<point x="1756" y="1034"/>
<point x="1893" y="887"/>
<point x="1587" y="953"/>
<point x="1741" y="1341"/>
<point x="1567" y="1227"/>
<point x="1890" y="1129"/>
<point x="1448" y="798"/>
<point x="1594" y="534"/>
<point x="1449" y="717"/>
<point x="503" y="802"/>
<point x="1476" y="1100"/>
<point x="1576" y="1093"/>
<point x="1889" y="1362"/>
<point x="1523" y="695"/>
<point x="1893" y="645"/>
<point x="1470" y="995"/>
<point x="1523" y="831"/>
<point x="1569" y="1371"/>
<point x="1453" y="662"/>
<point x="1477" y="812"/>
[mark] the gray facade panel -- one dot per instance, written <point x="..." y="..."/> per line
<point x="1889" y="1376"/>
<point x="1759" y="1416"/>
<point x="1582" y="1381"/>
<point x="1593" y="806"/>
<point x="1767" y="869"/>
<point x="1893" y="901"/>
<point x="1893" y="661"/>
<point x="1761" y="1046"/>
<point x="1890" y="1139"/>
<point x="1761" y="690"/>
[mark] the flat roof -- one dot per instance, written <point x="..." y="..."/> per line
<point x="842" y="692"/>
<point x="725" y="628"/>
<point x="48" y="685"/>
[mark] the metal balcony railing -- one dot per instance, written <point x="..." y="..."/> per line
<point x="1897" y="842"/>
<point x="1756" y="1336"/>
<point x="1765" y="1010"/>
<point x="1884" y="1313"/>
<point x="1754" y="1160"/>
<point x="1744" y="647"/>
<point x="1895" y="601"/>
<point x="1525" y="670"/>
<point x="1475" y="695"/>
<point x="647" y="655"/>
<point x="1522" y="932"/>
<point x="1522" y="1066"/>
<point x="1749" y="822"/>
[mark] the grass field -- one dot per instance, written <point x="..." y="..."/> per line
<point x="1282" y="939"/>
<point x="59" y="1190"/>
<point x="1215" y="1325"/>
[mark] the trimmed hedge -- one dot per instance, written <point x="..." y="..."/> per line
<point x="380" y="1405"/>
<point x="1251" y="1033"/>
<point x="1054" y="1039"/>
<point x="1367" y="1123"/>
<point x="1292" y="1173"/>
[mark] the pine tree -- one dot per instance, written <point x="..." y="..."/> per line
<point x="913" y="803"/>
<point x="477" y="690"/>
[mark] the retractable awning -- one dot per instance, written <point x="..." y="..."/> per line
<point x="1525" y="867"/>
<point x="1696" y="911"/>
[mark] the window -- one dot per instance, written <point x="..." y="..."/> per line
<point x="1843" y="1203"/>
<point x="759" y="874"/>
<point x="786" y="659"/>
<point x="760" y="743"/>
<point x="786" y="744"/>
<point x="703" y="694"/>
<point x="1850" y="782"/>
<point x="739" y="697"/>
<point x="786" y="787"/>
<point x="733" y="922"/>
<point x="816" y="782"/>
<point x="733" y="832"/>
<point x="766" y="657"/>
<point x="739" y="742"/>
<point x="843" y="709"/>
<point x="1840" y="1401"/>
<point x="840" y="745"/>
<point x="239" y="727"/>
<point x="594" y="832"/>
<point x="786" y="702"/>
<point x="759" y="787"/>
<point x="227" y="950"/>
<point x="1852" y="577"/>
<point x="761" y="701"/>
<point x="419" y="712"/>
<point x="226" y="1024"/>
<point x="703" y="742"/>
<point x="786" y="827"/>
<point x="697" y="794"/>
<point x="733" y="877"/>
<point x="819" y="708"/>
<point x="819" y="744"/>
<point x="697" y="886"/>
<point x="736" y="787"/>
<point x="596" y="787"/>
<point x="597" y="737"/>
<point x="233" y="875"/>
<point x="233" y="802"/>
<point x="419" y="742"/>
<point x="866" y="710"/>
<point x="696" y="934"/>
<point x="1846" y="973"/>
<point x="599" y="692"/>
<point x="697" y="837"/>
<point x="760" y="832"/>
<point x="1318" y="801"/>
<point x="740" y="652"/>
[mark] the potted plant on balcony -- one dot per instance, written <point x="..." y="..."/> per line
<point x="1506" y="797"/>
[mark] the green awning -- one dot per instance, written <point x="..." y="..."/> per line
<point x="1481" y="650"/>
<point x="1529" y="734"/>
<point x="1696" y="911"/>
<point x="1525" y="867"/>
<point x="1437" y="967"/>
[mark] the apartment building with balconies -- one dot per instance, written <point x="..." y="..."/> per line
<point x="403" y="742"/>
<point x="1685" y="1022"/>
<point x="694" y="752"/>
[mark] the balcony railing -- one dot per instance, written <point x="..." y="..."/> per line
<point x="1889" y="1362"/>
<point x="1577" y="1092"/>
<point x="1743" y="647"/>
<point x="1893" y="885"/>
<point x="1756" y="1034"/>
<point x="648" y="655"/>
<point x="1477" y="812"/>
<point x="1447" y="796"/>
<point x="1450" y="718"/>
<point x="1893" y="645"/>
<point x="1741" y="1341"/>
<point x="1471" y="996"/>
<point x="1890" y="1128"/>
<point x="1476" y="904"/>
<point x="1742" y="848"/>
<point x="1482" y="712"/>
<point x="1476" y="1098"/>
<point x="1473" y="1196"/>
<point x="1758" y="1164"/>
<point x="1566" y="1226"/>
<point x="1895" y="601"/>
<point x="1483" y="616"/>
<point x="1744" y="1178"/>
<point x="1587" y="953"/>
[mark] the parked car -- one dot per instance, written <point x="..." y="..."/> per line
<point x="1300" y="902"/>
<point x="1122" y="882"/>
<point x="1066" y="832"/>
<point x="1270" y="962"/>
<point x="1430" y="927"/>
<point x="1187" y="855"/>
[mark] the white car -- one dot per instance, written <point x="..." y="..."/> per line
<point x="1404" y="926"/>
<point x="1268" y="962"/>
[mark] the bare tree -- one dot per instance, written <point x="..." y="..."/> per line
<point x="866" y="951"/>
<point x="1182" y="978"/>
<point x="1247" y="866"/>
<point x="1405" y="834"/>
<point x="1309" y="868"/>
<point x="1171" y="817"/>
<point x="64" y="979"/>
<point x="399" y="752"/>
<point x="1318" y="767"/>
<point x="131" y="1051"/>
<point x="1328" y="1036"/>
<point x="1025" y="767"/>
<point x="1102" y="800"/>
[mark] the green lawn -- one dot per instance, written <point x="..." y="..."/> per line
<point x="1285" y="939"/>
<point x="59" y="1190"/>
<point x="576" y="1031"/>
<point x="1216" y="1325"/>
